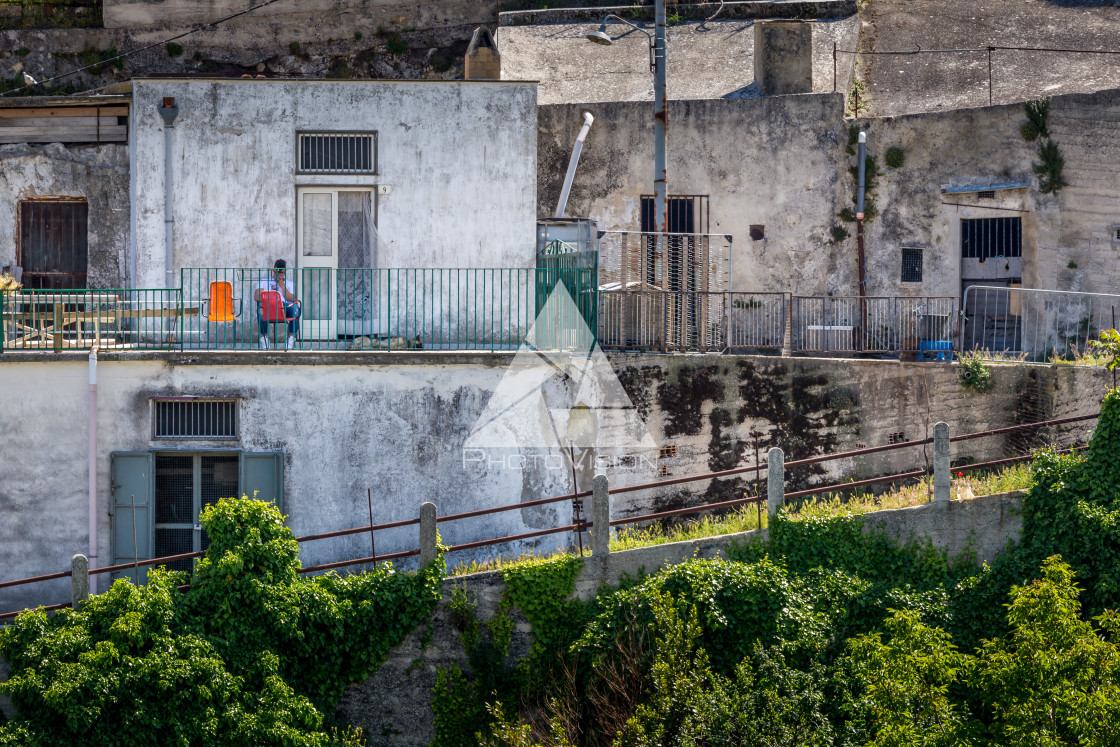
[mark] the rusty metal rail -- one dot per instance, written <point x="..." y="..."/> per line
<point x="582" y="526"/>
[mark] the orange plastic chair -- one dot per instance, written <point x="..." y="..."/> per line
<point x="222" y="306"/>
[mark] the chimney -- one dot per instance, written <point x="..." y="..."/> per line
<point x="482" y="61"/>
<point x="783" y="57"/>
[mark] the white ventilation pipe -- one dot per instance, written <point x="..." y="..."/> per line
<point x="93" y="467"/>
<point x="168" y="112"/>
<point x="571" y="175"/>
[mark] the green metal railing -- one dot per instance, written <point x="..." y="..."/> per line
<point x="390" y="309"/>
<point x="80" y="319"/>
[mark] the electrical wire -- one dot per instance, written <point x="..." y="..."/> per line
<point x="711" y="17"/>
<point x="195" y="30"/>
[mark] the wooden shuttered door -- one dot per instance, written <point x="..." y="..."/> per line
<point x="53" y="243"/>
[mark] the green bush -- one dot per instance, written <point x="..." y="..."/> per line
<point x="974" y="373"/>
<point x="1029" y="131"/>
<point x="895" y="157"/>
<point x="1049" y="168"/>
<point x="440" y="63"/>
<point x="1038" y="116"/>
<point x="252" y="654"/>
<point x="339" y="69"/>
<point x="173" y="49"/>
<point x="830" y="634"/>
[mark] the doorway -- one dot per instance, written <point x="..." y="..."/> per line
<point x="53" y="243"/>
<point x="337" y="249"/>
<point x="991" y="256"/>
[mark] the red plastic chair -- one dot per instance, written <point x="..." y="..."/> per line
<point x="272" y="307"/>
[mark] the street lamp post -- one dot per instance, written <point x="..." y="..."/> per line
<point x="660" y="111"/>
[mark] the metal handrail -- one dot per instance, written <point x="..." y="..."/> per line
<point x="613" y="491"/>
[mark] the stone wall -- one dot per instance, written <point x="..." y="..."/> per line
<point x="396" y="700"/>
<point x="763" y="161"/>
<point x="454" y="159"/>
<point x="783" y="163"/>
<point x="340" y="17"/>
<point x="717" y="412"/>
<point x="400" y="423"/>
<point x="1068" y="239"/>
<point x="99" y="174"/>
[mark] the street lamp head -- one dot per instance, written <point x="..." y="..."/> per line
<point x="601" y="36"/>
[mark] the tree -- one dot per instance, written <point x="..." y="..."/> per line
<point x="1054" y="680"/>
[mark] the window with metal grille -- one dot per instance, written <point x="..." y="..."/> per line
<point x="983" y="238"/>
<point x="185" y="484"/>
<point x="53" y="249"/>
<point x="897" y="437"/>
<point x="687" y="213"/>
<point x="986" y="194"/>
<point x="911" y="265"/>
<point x="337" y="152"/>
<point x="194" y="418"/>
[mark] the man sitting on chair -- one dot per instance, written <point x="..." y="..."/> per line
<point x="277" y="282"/>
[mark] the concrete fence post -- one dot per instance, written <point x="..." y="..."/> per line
<point x="427" y="532"/>
<point x="775" y="481"/>
<point x="941" y="477"/>
<point x="79" y="580"/>
<point x="600" y="516"/>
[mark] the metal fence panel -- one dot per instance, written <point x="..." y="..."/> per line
<point x="81" y="319"/>
<point x="1005" y="322"/>
<point x="676" y="262"/>
<point x="758" y="320"/>
<point x="874" y="324"/>
<point x="395" y="308"/>
<point x="662" y="320"/>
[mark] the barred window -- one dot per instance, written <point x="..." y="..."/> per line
<point x="911" y="265"/>
<point x="194" y="418"/>
<point x="337" y="152"/>
<point x="983" y="238"/>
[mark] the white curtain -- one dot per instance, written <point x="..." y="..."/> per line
<point x="357" y="261"/>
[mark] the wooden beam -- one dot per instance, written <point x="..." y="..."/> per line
<point x="62" y="135"/>
<point x="57" y="122"/>
<point x="59" y="129"/>
<point x="63" y="112"/>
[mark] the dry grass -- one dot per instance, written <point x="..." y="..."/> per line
<point x="1015" y="477"/>
<point x="1076" y="357"/>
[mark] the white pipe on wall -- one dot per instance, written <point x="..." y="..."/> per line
<point x="562" y="203"/>
<point x="93" y="467"/>
<point x="168" y="112"/>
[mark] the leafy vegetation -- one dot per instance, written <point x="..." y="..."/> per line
<point x="61" y="14"/>
<point x="8" y="284"/>
<point x="1038" y="118"/>
<point x="827" y="634"/>
<point x="1049" y="168"/>
<point x="252" y="654"/>
<point x="749" y="518"/>
<point x="440" y="63"/>
<point x="1108" y="346"/>
<point x="895" y="157"/>
<point x="974" y="373"/>
<point x="1051" y="163"/>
